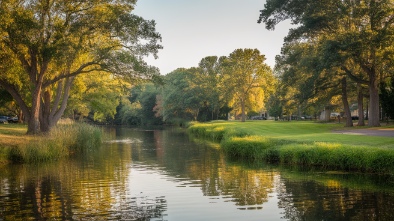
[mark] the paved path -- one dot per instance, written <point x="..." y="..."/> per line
<point x="383" y="132"/>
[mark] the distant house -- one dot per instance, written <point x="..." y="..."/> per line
<point x="332" y="115"/>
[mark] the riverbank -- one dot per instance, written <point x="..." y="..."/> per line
<point x="66" y="139"/>
<point x="301" y="143"/>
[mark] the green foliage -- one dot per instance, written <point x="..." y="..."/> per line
<point x="217" y="86"/>
<point x="45" y="45"/>
<point x="249" y="80"/>
<point x="180" y="99"/>
<point x="352" y="38"/>
<point x="274" y="106"/>
<point x="96" y="95"/>
<point x="139" y="107"/>
<point x="129" y="113"/>
<point x="209" y="79"/>
<point x="300" y="143"/>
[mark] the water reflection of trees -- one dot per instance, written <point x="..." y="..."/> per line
<point x="308" y="200"/>
<point x="300" y="199"/>
<point x="92" y="187"/>
<point x="216" y="176"/>
<point x="239" y="184"/>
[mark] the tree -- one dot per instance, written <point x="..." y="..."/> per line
<point x="96" y="96"/>
<point x="310" y="74"/>
<point x="362" y="30"/>
<point x="249" y="79"/>
<point x="208" y="78"/>
<point x="181" y="98"/>
<point x="45" y="44"/>
<point x="8" y="105"/>
<point x="143" y="96"/>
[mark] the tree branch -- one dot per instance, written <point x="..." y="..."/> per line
<point x="15" y="94"/>
<point x="80" y="70"/>
<point x="353" y="77"/>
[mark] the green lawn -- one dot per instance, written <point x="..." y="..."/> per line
<point x="302" y="131"/>
<point x="302" y="143"/>
<point x="13" y="135"/>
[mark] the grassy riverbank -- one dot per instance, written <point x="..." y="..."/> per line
<point x="301" y="143"/>
<point x="64" y="140"/>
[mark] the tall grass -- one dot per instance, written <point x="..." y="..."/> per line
<point x="61" y="142"/>
<point x="301" y="144"/>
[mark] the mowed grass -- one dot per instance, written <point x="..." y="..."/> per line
<point x="13" y="135"/>
<point x="301" y="142"/>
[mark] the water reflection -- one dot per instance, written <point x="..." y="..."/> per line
<point x="162" y="175"/>
<point x="308" y="200"/>
<point x="181" y="158"/>
<point x="91" y="187"/>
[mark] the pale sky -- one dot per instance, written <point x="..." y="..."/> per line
<point x="194" y="29"/>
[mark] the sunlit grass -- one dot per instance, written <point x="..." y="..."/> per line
<point x="64" y="140"/>
<point x="301" y="143"/>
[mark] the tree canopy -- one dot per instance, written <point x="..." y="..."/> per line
<point x="240" y="81"/>
<point x="356" y="36"/>
<point x="248" y="79"/>
<point x="44" y="45"/>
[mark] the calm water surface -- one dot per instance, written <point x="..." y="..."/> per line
<point x="163" y="175"/>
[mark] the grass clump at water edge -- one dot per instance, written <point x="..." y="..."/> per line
<point x="62" y="141"/>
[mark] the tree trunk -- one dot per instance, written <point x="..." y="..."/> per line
<point x="373" y="118"/>
<point x="51" y="115"/>
<point x="20" y="117"/>
<point x="360" y="101"/>
<point x="349" y="122"/>
<point x="25" y="115"/>
<point x="33" y="121"/>
<point x="45" y="111"/>
<point x="243" y="116"/>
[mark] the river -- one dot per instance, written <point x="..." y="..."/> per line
<point x="166" y="175"/>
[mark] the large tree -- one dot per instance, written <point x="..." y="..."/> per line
<point x="362" y="30"/>
<point x="44" y="44"/>
<point x="209" y="80"/>
<point x="181" y="97"/>
<point x="249" y="79"/>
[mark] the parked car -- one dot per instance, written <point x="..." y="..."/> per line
<point x="258" y="118"/>
<point x="3" y="120"/>
<point x="13" y="120"/>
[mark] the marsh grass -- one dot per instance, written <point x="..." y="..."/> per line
<point x="64" y="140"/>
<point x="301" y="143"/>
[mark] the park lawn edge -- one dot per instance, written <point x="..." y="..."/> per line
<point x="238" y="142"/>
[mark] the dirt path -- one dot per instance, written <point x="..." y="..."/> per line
<point x="382" y="132"/>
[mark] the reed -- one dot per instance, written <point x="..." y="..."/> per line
<point x="63" y="141"/>
<point x="308" y="144"/>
